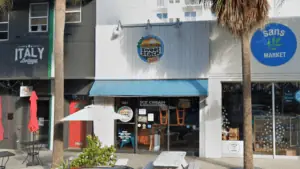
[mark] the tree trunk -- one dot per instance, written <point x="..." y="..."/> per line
<point x="58" y="149"/>
<point x="247" y="107"/>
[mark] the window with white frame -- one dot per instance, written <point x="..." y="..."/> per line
<point x="190" y="16"/>
<point x="160" y="3"/>
<point x="177" y="1"/>
<point x="73" y="11"/>
<point x="171" y="1"/>
<point x="162" y="16"/>
<point x="4" y="26"/>
<point x="38" y="17"/>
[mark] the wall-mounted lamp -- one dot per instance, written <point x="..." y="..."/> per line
<point x="117" y="31"/>
<point x="119" y="26"/>
<point x="178" y="23"/>
<point x="148" y="24"/>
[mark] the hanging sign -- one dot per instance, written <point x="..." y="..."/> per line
<point x="150" y="48"/>
<point x="25" y="91"/>
<point x="274" y="45"/>
<point x="29" y="54"/>
<point x="126" y="112"/>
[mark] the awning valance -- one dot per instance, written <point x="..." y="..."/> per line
<point x="149" y="88"/>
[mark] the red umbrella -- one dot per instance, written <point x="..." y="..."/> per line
<point x="33" y="124"/>
<point x="1" y="125"/>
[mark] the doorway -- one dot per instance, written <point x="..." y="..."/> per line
<point x="43" y="105"/>
<point x="160" y="124"/>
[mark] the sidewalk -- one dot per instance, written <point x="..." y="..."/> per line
<point x="138" y="161"/>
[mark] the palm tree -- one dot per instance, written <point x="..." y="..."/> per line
<point x="58" y="147"/>
<point x="241" y="18"/>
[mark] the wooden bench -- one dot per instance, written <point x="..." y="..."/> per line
<point x="194" y="165"/>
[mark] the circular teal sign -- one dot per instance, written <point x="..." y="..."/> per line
<point x="274" y="45"/>
<point x="297" y="96"/>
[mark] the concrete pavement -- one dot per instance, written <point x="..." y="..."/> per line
<point x="138" y="161"/>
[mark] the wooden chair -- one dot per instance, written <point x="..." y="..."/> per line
<point x="180" y="113"/>
<point x="163" y="117"/>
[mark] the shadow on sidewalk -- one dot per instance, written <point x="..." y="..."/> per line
<point x="219" y="163"/>
<point x="223" y="164"/>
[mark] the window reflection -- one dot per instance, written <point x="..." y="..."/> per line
<point x="232" y="113"/>
<point x="287" y="119"/>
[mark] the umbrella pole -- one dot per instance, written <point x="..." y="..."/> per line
<point x="93" y="134"/>
<point x="32" y="155"/>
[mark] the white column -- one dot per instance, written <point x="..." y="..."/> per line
<point x="51" y="123"/>
<point x="104" y="128"/>
<point x="213" y="120"/>
<point x="202" y="110"/>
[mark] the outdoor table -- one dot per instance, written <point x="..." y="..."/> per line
<point x="170" y="159"/>
<point x="32" y="149"/>
<point x="3" y="155"/>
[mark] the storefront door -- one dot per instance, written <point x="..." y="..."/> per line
<point x="158" y="124"/>
<point x="152" y="128"/>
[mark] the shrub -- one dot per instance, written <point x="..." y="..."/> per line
<point x="95" y="155"/>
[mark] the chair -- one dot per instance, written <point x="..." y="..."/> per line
<point x="180" y="113"/>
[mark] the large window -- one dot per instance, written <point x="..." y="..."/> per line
<point x="279" y="126"/>
<point x="159" y="124"/>
<point x="73" y="11"/>
<point x="4" y="26"/>
<point x="287" y="118"/>
<point x="38" y="17"/>
<point x="261" y="113"/>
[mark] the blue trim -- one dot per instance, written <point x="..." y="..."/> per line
<point x="149" y="88"/>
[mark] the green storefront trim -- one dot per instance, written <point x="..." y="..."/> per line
<point x="50" y="53"/>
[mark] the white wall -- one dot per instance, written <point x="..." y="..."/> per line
<point x="225" y="55"/>
<point x="186" y="53"/>
<point x="225" y="60"/>
<point x="139" y="11"/>
<point x="288" y="9"/>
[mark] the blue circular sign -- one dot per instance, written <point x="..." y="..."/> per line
<point x="297" y="96"/>
<point x="274" y="45"/>
<point x="150" y="48"/>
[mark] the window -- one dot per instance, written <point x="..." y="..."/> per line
<point x="190" y="16"/>
<point x="4" y="26"/>
<point x="287" y="118"/>
<point x="73" y="11"/>
<point x="192" y="2"/>
<point x="177" y="1"/>
<point x="162" y="16"/>
<point x="232" y="115"/>
<point x="158" y="124"/>
<point x="38" y="17"/>
<point x="171" y="1"/>
<point x="160" y="3"/>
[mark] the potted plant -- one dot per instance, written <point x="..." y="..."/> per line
<point x="94" y="155"/>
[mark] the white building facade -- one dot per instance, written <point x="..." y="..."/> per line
<point x="164" y="74"/>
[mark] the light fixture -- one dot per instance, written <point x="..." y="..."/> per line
<point x="178" y="23"/>
<point x="148" y="24"/>
<point x="117" y="31"/>
<point x="119" y="26"/>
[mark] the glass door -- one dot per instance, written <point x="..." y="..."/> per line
<point x="125" y="130"/>
<point x="152" y="125"/>
<point x="184" y="125"/>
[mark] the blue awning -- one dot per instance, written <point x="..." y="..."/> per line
<point x="149" y="88"/>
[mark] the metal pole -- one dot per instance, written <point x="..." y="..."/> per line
<point x="273" y="119"/>
<point x="168" y="129"/>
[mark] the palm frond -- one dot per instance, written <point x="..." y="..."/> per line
<point x="5" y="5"/>
<point x="239" y="16"/>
